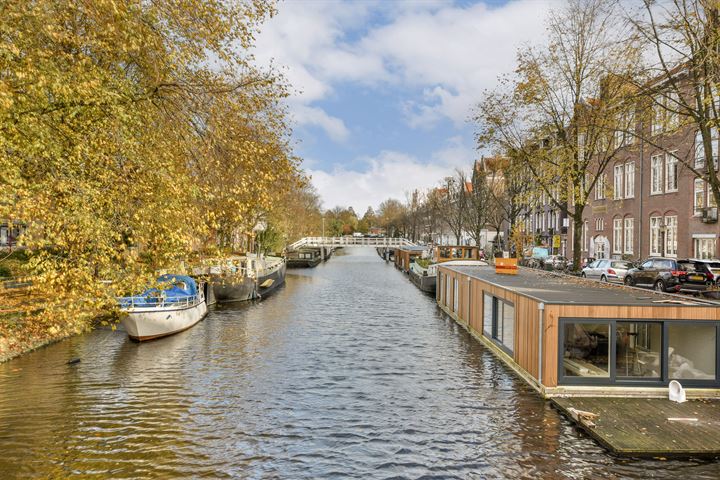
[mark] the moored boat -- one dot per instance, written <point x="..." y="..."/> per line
<point x="158" y="312"/>
<point x="248" y="277"/>
<point x="304" y="258"/>
<point x="424" y="276"/>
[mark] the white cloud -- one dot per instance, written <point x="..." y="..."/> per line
<point x="455" y="53"/>
<point x="333" y="126"/>
<point x="451" y="52"/>
<point x="390" y="174"/>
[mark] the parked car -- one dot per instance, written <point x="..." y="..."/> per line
<point x="607" y="270"/>
<point x="555" y="262"/>
<point x="709" y="268"/>
<point x="661" y="274"/>
<point x="586" y="261"/>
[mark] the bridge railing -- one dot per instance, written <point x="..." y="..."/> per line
<point x="350" y="242"/>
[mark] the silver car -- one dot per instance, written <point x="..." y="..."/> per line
<point x="607" y="270"/>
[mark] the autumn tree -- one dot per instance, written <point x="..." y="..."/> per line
<point x="479" y="203"/>
<point x="559" y="112"/>
<point x="451" y="203"/>
<point x="131" y="132"/>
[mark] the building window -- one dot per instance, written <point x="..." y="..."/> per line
<point x="624" y="134"/>
<point x="630" y="180"/>
<point x="499" y="321"/>
<point x="629" y="232"/>
<point x="704" y="248"/>
<point x="671" y="236"/>
<point x="617" y="235"/>
<point x="599" y="224"/>
<point x="600" y="187"/>
<point x="656" y="167"/>
<point x="672" y="107"/>
<point x="617" y="186"/>
<point x="691" y="351"/>
<point x="638" y="349"/>
<point x="699" y="150"/>
<point x="586" y="350"/>
<point x="699" y="196"/>
<point x="671" y="173"/>
<point x="655" y="235"/>
<point x="584" y="236"/>
<point x="658" y="117"/>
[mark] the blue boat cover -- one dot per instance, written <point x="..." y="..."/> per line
<point x="170" y="293"/>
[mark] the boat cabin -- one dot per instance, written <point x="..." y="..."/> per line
<point x="304" y="257"/>
<point x="445" y="253"/>
<point x="405" y="256"/>
<point x="570" y="336"/>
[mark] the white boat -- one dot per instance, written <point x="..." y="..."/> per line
<point x="160" y="312"/>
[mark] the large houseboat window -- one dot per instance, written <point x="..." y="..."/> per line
<point x="638" y="347"/>
<point x="585" y="350"/>
<point x="691" y="351"/>
<point x="447" y="287"/>
<point x="499" y="321"/>
<point x="456" y="295"/>
<point x="508" y="328"/>
<point x="487" y="314"/>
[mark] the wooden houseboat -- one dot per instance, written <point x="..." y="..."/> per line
<point x="425" y="276"/>
<point x="406" y="256"/>
<point x="568" y="336"/>
<point x="304" y="258"/>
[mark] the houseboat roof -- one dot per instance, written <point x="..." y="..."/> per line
<point x="413" y="248"/>
<point x="553" y="288"/>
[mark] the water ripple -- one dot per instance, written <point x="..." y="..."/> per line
<point x="347" y="372"/>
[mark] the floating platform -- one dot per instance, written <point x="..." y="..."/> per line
<point x="648" y="427"/>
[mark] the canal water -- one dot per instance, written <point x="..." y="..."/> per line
<point x="348" y="371"/>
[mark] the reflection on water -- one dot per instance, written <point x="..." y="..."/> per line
<point x="347" y="371"/>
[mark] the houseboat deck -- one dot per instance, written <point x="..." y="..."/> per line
<point x="558" y="289"/>
<point x="650" y="427"/>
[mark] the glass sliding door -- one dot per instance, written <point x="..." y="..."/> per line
<point x="585" y="351"/>
<point x="691" y="351"/>
<point x="638" y="353"/>
<point x="637" y="349"/>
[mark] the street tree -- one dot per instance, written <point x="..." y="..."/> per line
<point x="559" y="112"/>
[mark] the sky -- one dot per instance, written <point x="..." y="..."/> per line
<point x="383" y="90"/>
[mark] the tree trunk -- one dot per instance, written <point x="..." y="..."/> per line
<point x="577" y="239"/>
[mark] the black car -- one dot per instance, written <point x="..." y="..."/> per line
<point x="709" y="268"/>
<point x="658" y="273"/>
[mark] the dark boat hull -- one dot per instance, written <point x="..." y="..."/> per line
<point x="303" y="262"/>
<point x="269" y="283"/>
<point x="229" y="289"/>
<point x="423" y="282"/>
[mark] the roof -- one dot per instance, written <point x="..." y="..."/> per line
<point x="558" y="289"/>
<point x="412" y="248"/>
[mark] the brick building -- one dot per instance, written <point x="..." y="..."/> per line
<point x="649" y="203"/>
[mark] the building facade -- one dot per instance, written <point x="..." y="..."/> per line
<point x="649" y="203"/>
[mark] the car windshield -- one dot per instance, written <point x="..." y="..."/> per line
<point x="715" y="265"/>
<point x="621" y="264"/>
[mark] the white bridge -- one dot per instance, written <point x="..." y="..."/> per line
<point x="348" y="241"/>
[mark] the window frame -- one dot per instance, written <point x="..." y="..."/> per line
<point x="628" y="234"/>
<point x="612" y="379"/>
<point x="671" y="160"/>
<point x="656" y="174"/>
<point x="618" y="177"/>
